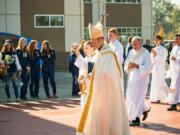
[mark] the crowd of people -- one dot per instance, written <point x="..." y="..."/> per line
<point x="24" y="63"/>
<point x="102" y="85"/>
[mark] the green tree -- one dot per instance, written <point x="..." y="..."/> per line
<point x="162" y="13"/>
<point x="175" y="19"/>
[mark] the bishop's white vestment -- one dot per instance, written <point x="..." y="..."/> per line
<point x="105" y="111"/>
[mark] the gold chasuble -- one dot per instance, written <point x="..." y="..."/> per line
<point x="105" y="111"/>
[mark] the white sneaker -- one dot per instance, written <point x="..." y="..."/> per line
<point x="18" y="100"/>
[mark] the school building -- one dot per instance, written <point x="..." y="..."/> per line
<point x="63" y="22"/>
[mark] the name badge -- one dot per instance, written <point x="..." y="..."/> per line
<point x="37" y="53"/>
<point x="25" y="55"/>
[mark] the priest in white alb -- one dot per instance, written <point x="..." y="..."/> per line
<point x="174" y="92"/>
<point x="105" y="111"/>
<point x="159" y="88"/>
<point x="137" y="65"/>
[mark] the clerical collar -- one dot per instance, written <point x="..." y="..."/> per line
<point x="100" y="48"/>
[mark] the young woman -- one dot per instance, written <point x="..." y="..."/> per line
<point x="82" y="64"/>
<point x="9" y="58"/>
<point x="48" y="67"/>
<point x="35" y="56"/>
<point x="23" y="57"/>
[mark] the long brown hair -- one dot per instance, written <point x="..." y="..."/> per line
<point x="31" y="49"/>
<point x="19" y="45"/>
<point x="4" y="48"/>
<point x="46" y="52"/>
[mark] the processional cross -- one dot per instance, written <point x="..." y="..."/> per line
<point x="103" y="16"/>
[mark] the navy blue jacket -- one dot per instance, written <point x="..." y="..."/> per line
<point x="24" y="58"/>
<point x="72" y="68"/>
<point x="148" y="47"/>
<point x="35" y="63"/>
<point x="49" y="61"/>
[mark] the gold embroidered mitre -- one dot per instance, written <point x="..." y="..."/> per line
<point x="96" y="31"/>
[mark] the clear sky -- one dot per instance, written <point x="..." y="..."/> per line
<point x="176" y="2"/>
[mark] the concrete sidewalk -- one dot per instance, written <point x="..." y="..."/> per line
<point x="63" y="84"/>
<point x="60" y="117"/>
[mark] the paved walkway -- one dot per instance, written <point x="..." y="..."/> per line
<point x="61" y="118"/>
<point x="63" y="84"/>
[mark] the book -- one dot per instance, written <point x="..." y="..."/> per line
<point x="90" y="67"/>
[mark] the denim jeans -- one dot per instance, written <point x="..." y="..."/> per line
<point x="24" y="80"/>
<point x="75" y="85"/>
<point x="8" y="77"/>
<point x="48" y="73"/>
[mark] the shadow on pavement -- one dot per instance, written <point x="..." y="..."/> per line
<point x="160" y="127"/>
<point x="43" y="105"/>
<point x="14" y="120"/>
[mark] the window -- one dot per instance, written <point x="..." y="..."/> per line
<point x="125" y="32"/>
<point x="87" y="1"/>
<point x="86" y="33"/>
<point x="49" y="21"/>
<point x="124" y="1"/>
<point x="108" y="1"/>
<point x="129" y="31"/>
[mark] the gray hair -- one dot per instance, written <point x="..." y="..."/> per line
<point x="138" y="38"/>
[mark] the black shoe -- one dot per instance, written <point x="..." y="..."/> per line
<point x="145" y="114"/>
<point x="24" y="98"/>
<point x="32" y="96"/>
<point x="172" y="108"/>
<point x="158" y="101"/>
<point x="132" y="123"/>
<point x="137" y="121"/>
<point x="37" y="97"/>
<point x="75" y="95"/>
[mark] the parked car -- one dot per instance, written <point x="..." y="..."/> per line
<point x="166" y="43"/>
